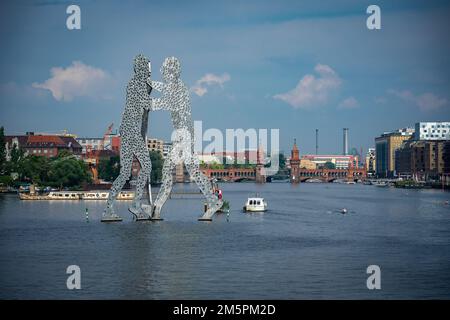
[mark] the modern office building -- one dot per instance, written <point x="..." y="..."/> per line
<point x="167" y="146"/>
<point x="385" y="147"/>
<point x="422" y="160"/>
<point x="432" y="131"/>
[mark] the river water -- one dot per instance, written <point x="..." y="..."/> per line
<point x="302" y="248"/>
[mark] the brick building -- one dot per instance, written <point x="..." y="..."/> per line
<point x="43" y="145"/>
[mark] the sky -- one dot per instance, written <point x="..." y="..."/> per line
<point x="288" y="65"/>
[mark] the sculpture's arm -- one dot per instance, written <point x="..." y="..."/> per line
<point x="159" y="104"/>
<point x="157" y="85"/>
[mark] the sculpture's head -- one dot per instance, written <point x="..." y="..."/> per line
<point x="141" y="66"/>
<point x="171" y="69"/>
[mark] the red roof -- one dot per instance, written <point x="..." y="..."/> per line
<point x="45" y="141"/>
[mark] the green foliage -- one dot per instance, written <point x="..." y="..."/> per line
<point x="13" y="165"/>
<point x="282" y="161"/>
<point x="216" y="166"/>
<point x="6" y="180"/>
<point x="34" y="169"/>
<point x="63" y="171"/>
<point x="109" y="169"/>
<point x="2" y="149"/>
<point x="67" y="172"/>
<point x="157" y="164"/>
<point x="329" y="165"/>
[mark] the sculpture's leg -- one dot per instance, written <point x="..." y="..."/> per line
<point x="166" y="186"/>
<point x="144" y="175"/>
<point x="205" y="186"/>
<point x="125" y="171"/>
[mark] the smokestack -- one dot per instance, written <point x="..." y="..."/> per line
<point x="317" y="141"/>
<point x="345" y="151"/>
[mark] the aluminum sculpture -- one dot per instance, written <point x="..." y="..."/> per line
<point x="132" y="131"/>
<point x="175" y="98"/>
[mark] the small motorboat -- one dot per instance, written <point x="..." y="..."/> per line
<point x="255" y="204"/>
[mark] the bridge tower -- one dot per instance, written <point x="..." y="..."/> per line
<point x="260" y="172"/>
<point x="295" y="164"/>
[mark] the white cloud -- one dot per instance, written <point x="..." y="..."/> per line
<point x="349" y="103"/>
<point x="312" y="91"/>
<point x="201" y="86"/>
<point x="77" y="79"/>
<point x="426" y="101"/>
<point x="380" y="100"/>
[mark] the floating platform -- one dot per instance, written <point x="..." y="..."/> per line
<point x="143" y="219"/>
<point x="111" y="219"/>
<point x="156" y="219"/>
<point x="204" y="219"/>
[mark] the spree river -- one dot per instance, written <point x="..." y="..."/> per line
<point x="301" y="248"/>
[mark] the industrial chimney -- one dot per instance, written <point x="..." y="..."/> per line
<point x="345" y="146"/>
<point x="317" y="141"/>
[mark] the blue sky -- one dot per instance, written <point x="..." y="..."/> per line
<point x="292" y="65"/>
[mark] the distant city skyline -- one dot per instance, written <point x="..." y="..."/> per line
<point x="296" y="66"/>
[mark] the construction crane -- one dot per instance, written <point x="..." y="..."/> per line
<point x="105" y="137"/>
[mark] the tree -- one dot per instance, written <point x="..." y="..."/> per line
<point x="2" y="149"/>
<point x="216" y="166"/>
<point x="109" y="169"/>
<point x="157" y="164"/>
<point x="16" y="156"/>
<point x="34" y="169"/>
<point x="68" y="172"/>
<point x="282" y="160"/>
<point x="329" y="165"/>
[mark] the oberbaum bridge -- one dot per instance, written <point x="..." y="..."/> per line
<point x="297" y="174"/>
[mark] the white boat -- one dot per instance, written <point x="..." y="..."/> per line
<point x="103" y="195"/>
<point x="64" y="195"/>
<point x="76" y="195"/>
<point x="255" y="204"/>
<point x="95" y="195"/>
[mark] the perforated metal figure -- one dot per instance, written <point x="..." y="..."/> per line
<point x="175" y="98"/>
<point x="132" y="131"/>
